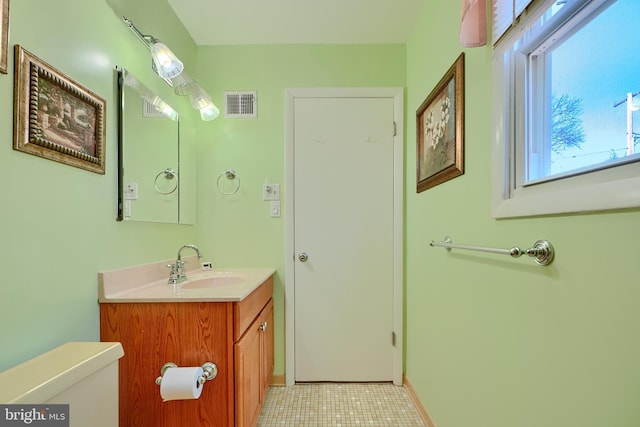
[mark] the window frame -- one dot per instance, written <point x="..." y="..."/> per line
<point x="616" y="186"/>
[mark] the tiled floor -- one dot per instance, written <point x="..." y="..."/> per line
<point x="338" y="405"/>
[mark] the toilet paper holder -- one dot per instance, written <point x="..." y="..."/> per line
<point x="210" y="371"/>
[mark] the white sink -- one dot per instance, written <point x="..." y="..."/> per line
<point x="220" y="279"/>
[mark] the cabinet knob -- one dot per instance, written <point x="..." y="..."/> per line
<point x="303" y="257"/>
<point x="263" y="326"/>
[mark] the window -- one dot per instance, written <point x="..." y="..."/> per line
<point x="566" y="92"/>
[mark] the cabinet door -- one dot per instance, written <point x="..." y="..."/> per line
<point x="185" y="333"/>
<point x="267" y="347"/>
<point x="247" y="355"/>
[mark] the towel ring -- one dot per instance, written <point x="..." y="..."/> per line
<point x="230" y="174"/>
<point x="168" y="173"/>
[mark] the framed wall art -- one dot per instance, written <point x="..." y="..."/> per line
<point x="4" y="35"/>
<point x="440" y="130"/>
<point x="56" y="117"/>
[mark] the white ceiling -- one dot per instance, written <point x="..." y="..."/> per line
<point x="232" y="22"/>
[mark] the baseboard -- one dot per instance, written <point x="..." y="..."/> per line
<point x="422" y="411"/>
<point x="278" y="381"/>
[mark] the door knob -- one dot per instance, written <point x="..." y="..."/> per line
<point x="303" y="257"/>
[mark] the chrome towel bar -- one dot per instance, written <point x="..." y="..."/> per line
<point x="542" y="250"/>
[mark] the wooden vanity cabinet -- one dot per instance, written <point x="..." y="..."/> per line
<point x="229" y="334"/>
<point x="253" y="359"/>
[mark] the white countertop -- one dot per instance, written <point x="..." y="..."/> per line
<point x="148" y="283"/>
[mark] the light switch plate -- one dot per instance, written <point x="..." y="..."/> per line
<point x="274" y="209"/>
<point x="126" y="210"/>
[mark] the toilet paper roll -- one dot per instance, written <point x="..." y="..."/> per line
<point x="181" y="384"/>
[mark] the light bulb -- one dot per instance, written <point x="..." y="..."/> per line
<point x="209" y="112"/>
<point x="199" y="98"/>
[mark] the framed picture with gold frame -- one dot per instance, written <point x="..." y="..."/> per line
<point x="56" y="117"/>
<point x="4" y="35"/>
<point x="440" y="130"/>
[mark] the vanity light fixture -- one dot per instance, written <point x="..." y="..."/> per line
<point x="171" y="69"/>
<point x="165" y="62"/>
<point x="200" y="100"/>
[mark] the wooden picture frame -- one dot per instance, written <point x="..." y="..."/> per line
<point x="4" y="35"/>
<point x="440" y="130"/>
<point x="56" y="117"/>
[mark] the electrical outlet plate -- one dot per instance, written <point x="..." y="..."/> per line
<point x="271" y="192"/>
<point x="131" y="191"/>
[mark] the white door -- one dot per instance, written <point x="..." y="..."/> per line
<point x="344" y="236"/>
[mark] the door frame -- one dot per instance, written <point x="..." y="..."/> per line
<point x="397" y="93"/>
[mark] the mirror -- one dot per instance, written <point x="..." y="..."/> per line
<point x="150" y="184"/>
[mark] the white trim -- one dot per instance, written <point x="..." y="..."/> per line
<point x="398" y="196"/>
<point x="616" y="187"/>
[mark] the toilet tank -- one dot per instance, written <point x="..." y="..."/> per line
<point x="81" y="374"/>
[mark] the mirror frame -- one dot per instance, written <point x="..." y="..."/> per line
<point x="120" y="116"/>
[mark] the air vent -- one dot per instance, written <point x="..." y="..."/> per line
<point x="240" y="104"/>
<point x="149" y="110"/>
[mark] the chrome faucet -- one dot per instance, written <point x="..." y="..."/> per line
<point x="178" y="273"/>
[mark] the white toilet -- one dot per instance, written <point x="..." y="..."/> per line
<point x="81" y="374"/>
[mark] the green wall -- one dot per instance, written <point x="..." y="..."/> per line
<point x="57" y="222"/>
<point x="489" y="341"/>
<point x="237" y="230"/>
<point x="498" y="342"/>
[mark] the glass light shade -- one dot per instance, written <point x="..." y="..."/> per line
<point x="167" y="64"/>
<point x="183" y="85"/>
<point x="209" y="112"/>
<point x="199" y="98"/>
